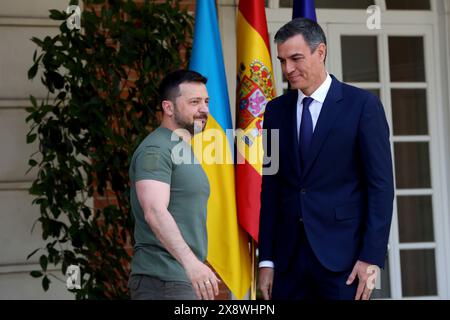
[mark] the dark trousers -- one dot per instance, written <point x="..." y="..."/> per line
<point x="144" y="287"/>
<point x="307" y="279"/>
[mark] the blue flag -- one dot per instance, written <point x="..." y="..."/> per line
<point x="207" y="59"/>
<point x="304" y="9"/>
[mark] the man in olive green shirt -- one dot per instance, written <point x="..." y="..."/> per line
<point x="169" y="199"/>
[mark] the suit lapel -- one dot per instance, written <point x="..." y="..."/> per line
<point x="291" y="120"/>
<point x="330" y="109"/>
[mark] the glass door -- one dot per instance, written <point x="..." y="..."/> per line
<point x="396" y="64"/>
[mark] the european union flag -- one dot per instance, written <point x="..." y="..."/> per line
<point x="304" y="9"/>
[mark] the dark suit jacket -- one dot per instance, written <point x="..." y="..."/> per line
<point x="345" y="191"/>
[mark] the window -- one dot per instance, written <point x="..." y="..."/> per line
<point x="408" y="4"/>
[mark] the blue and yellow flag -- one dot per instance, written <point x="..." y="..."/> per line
<point x="228" y="251"/>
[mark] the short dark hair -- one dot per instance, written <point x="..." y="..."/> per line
<point x="169" y="88"/>
<point x="309" y="29"/>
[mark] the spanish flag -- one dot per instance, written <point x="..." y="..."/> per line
<point x="228" y="251"/>
<point x="255" y="88"/>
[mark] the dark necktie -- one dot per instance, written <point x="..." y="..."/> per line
<point x="306" y="129"/>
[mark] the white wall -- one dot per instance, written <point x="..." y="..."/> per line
<point x="19" y="21"/>
<point x="227" y="26"/>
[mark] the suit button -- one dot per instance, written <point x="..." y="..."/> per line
<point x="303" y="191"/>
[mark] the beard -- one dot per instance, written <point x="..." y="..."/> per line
<point x="200" y="124"/>
<point x="193" y="127"/>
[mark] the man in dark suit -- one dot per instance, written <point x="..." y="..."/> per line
<point x="326" y="213"/>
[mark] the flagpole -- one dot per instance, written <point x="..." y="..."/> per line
<point x="254" y="271"/>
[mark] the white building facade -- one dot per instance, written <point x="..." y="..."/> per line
<point x="405" y="60"/>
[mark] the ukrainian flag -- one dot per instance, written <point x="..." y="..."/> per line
<point x="228" y="251"/>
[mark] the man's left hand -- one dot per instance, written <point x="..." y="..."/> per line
<point x="364" y="271"/>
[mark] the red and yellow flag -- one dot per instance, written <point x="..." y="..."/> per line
<point x="255" y="88"/>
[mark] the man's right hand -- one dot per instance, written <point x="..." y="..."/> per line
<point x="203" y="279"/>
<point x="265" y="282"/>
<point x="154" y="197"/>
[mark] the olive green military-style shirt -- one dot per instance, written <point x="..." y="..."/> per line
<point x="189" y="192"/>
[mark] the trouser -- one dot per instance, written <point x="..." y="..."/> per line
<point x="307" y="279"/>
<point x="143" y="287"/>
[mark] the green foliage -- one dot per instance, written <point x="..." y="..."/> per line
<point x="102" y="100"/>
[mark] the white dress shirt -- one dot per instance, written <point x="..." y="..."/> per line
<point x="316" y="106"/>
